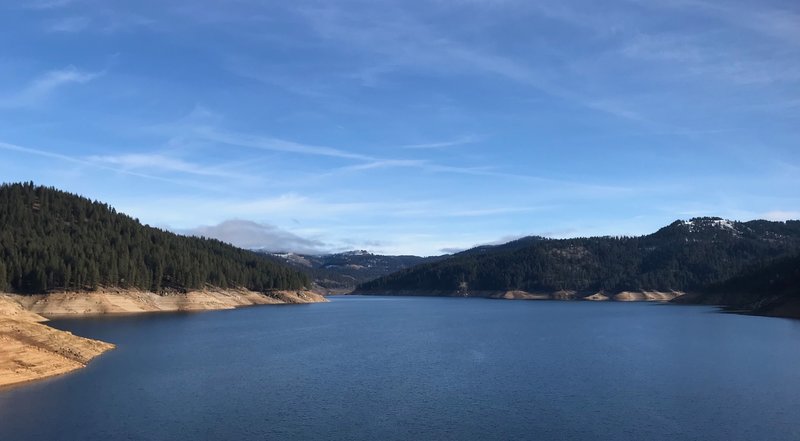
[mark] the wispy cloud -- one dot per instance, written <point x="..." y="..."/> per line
<point x="197" y="126"/>
<point x="94" y="163"/>
<point x="265" y="73"/>
<point x="444" y="144"/>
<point x="478" y="212"/>
<point x="695" y="56"/>
<point x="157" y="161"/>
<point x="386" y="163"/>
<point x="43" y="153"/>
<point x="780" y="24"/>
<point x="42" y="87"/>
<point x="68" y="24"/>
<point x="48" y="4"/>
<point x="273" y="144"/>
<point x="402" y="42"/>
<point x="424" y="165"/>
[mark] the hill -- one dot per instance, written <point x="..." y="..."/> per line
<point x="342" y="272"/>
<point x="770" y="289"/>
<point x="53" y="240"/>
<point x="684" y="256"/>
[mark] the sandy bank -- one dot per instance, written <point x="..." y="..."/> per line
<point x="30" y="350"/>
<point x="625" y="296"/>
<point x="519" y="295"/>
<point x="647" y="296"/>
<point x="596" y="297"/>
<point x="119" y="301"/>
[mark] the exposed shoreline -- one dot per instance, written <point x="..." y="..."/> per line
<point x="772" y="307"/>
<point x="123" y="301"/>
<point x="34" y="351"/>
<point x="624" y="296"/>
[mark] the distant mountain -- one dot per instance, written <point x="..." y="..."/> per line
<point x="770" y="289"/>
<point x="684" y="256"/>
<point x="344" y="271"/>
<point x="52" y="240"/>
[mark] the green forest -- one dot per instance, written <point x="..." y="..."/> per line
<point x="53" y="240"/>
<point x="683" y="256"/>
<point x="763" y="289"/>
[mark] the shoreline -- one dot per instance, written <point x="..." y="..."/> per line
<point x="27" y="360"/>
<point x="110" y="301"/>
<point x="33" y="351"/>
<point x="623" y="296"/>
<point x="786" y="308"/>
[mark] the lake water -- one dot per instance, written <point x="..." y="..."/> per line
<point x="400" y="368"/>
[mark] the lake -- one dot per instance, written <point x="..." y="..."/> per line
<point x="404" y="368"/>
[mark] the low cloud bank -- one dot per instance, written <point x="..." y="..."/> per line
<point x="254" y="235"/>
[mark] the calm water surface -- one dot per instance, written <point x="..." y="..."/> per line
<point x="382" y="368"/>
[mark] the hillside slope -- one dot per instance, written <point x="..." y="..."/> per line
<point x="61" y="254"/>
<point x="52" y="240"/>
<point x="772" y="289"/>
<point x="342" y="272"/>
<point x="684" y="256"/>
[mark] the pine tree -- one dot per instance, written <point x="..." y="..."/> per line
<point x="3" y="277"/>
<point x="54" y="240"/>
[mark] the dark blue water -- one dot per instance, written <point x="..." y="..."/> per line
<point x="366" y="368"/>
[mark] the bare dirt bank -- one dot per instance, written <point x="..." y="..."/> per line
<point x="597" y="297"/>
<point x="30" y="350"/>
<point x="119" y="301"/>
<point x="625" y="296"/>
<point x="519" y="295"/>
<point x="647" y="296"/>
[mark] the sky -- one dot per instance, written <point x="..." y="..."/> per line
<point x="406" y="127"/>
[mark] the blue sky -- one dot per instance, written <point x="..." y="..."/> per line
<point x="406" y="126"/>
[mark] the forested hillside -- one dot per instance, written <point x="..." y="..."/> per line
<point x="344" y="271"/>
<point x="771" y="289"/>
<point x="683" y="256"/>
<point x="52" y="240"/>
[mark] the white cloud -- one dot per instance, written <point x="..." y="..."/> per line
<point x="398" y="41"/>
<point x="273" y="144"/>
<point x="443" y="144"/>
<point x="156" y="161"/>
<point x="42" y="87"/>
<point x="254" y="235"/>
<point x="94" y="163"/>
<point x="196" y="127"/>
<point x="386" y="163"/>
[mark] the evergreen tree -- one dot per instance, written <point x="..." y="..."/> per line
<point x="52" y="240"/>
<point x="682" y="256"/>
<point x="3" y="276"/>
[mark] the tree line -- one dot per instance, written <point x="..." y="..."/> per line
<point x="53" y="240"/>
<point x="682" y="256"/>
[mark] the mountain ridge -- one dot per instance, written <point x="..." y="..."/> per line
<point x="342" y="272"/>
<point x="684" y="256"/>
